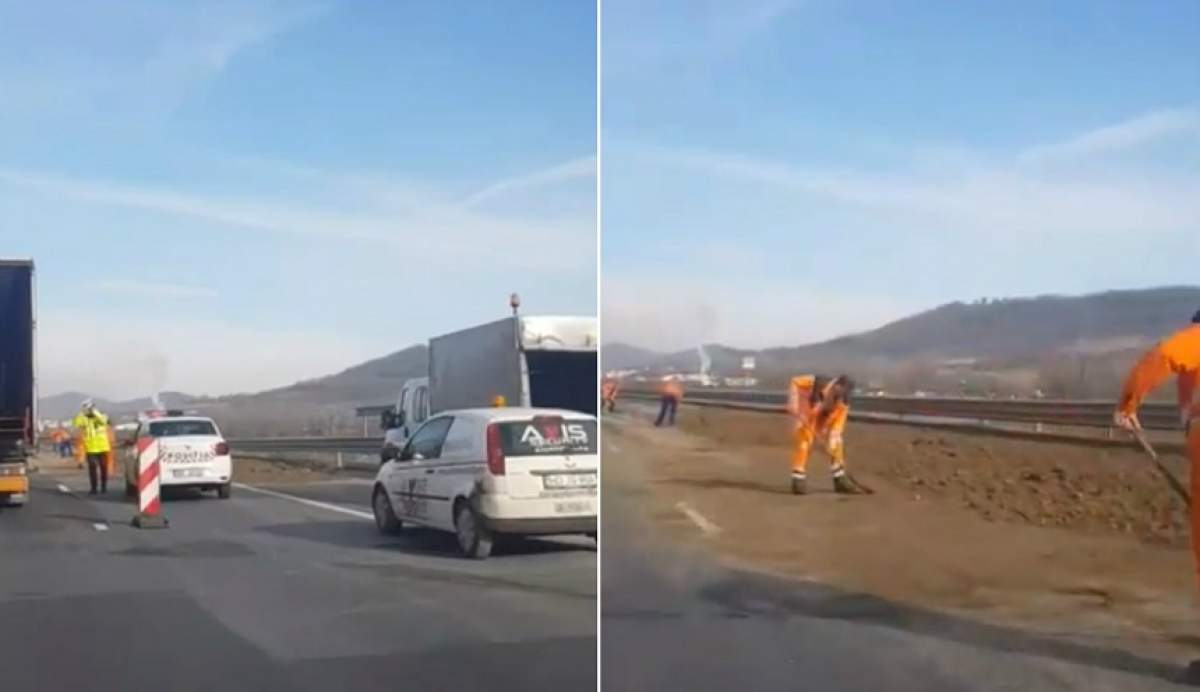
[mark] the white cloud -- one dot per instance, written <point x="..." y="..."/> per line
<point x="129" y="58"/>
<point x="177" y="353"/>
<point x="575" y="169"/>
<point x="673" y="311"/>
<point x="963" y="222"/>
<point x="988" y="200"/>
<point x="151" y="289"/>
<point x="1144" y="129"/>
<point x="458" y="235"/>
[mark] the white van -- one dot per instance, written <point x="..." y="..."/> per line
<point x="399" y="423"/>
<point x="483" y="472"/>
<point x="194" y="454"/>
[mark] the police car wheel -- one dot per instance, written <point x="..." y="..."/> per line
<point x="474" y="538"/>
<point x="224" y="491"/>
<point x="385" y="517"/>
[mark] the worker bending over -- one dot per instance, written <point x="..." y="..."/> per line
<point x="608" y="393"/>
<point x="1179" y="355"/>
<point x="671" y="393"/>
<point x="820" y="406"/>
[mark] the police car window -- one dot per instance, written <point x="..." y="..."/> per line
<point x="179" y="428"/>
<point x="429" y="439"/>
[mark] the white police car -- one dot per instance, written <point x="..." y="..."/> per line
<point x="193" y="453"/>
<point x="483" y="472"/>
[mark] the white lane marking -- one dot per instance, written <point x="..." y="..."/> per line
<point x="100" y="527"/>
<point x="63" y="489"/>
<point x="698" y="519"/>
<point x="306" y="501"/>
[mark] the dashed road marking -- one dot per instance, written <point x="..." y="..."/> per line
<point x="63" y="489"/>
<point x="100" y="527"/>
<point x="698" y="519"/>
<point x="305" y="501"/>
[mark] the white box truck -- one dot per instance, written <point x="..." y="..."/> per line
<point x="535" y="361"/>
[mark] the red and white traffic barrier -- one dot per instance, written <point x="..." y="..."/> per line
<point x="149" y="458"/>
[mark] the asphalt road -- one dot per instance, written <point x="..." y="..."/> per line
<point x="673" y="618"/>
<point x="261" y="592"/>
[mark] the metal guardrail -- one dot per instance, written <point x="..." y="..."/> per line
<point x="347" y="445"/>
<point x="1072" y="413"/>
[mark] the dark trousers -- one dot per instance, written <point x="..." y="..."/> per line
<point x="64" y="449"/>
<point x="667" y="411"/>
<point x="98" y="463"/>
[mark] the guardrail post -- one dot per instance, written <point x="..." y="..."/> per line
<point x="339" y="460"/>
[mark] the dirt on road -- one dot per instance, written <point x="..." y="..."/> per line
<point x="1060" y="538"/>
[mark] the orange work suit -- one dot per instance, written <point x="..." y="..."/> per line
<point x="816" y="421"/>
<point x="608" y="392"/>
<point x="1179" y="355"/>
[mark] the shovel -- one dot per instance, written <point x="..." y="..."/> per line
<point x="1166" y="473"/>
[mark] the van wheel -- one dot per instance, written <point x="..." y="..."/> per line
<point x="474" y="538"/>
<point x="224" y="491"/>
<point x="385" y="517"/>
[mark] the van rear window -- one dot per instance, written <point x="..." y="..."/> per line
<point x="179" y="428"/>
<point x="541" y="436"/>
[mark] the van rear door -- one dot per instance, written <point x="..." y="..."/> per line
<point x="548" y="456"/>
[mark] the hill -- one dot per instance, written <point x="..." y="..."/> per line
<point x="1066" y="343"/>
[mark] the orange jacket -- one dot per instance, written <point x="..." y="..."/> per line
<point x="672" y="388"/>
<point x="1178" y="354"/>
<point x="609" y="388"/>
<point x="820" y="414"/>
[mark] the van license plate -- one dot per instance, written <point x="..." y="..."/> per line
<point x="570" y="480"/>
<point x="572" y="507"/>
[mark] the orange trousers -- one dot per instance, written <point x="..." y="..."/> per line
<point x="1193" y="452"/>
<point x="830" y="439"/>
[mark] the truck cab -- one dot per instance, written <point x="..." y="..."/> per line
<point x="400" y="421"/>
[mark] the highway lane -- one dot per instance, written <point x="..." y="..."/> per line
<point x="261" y="592"/>
<point x="674" y="618"/>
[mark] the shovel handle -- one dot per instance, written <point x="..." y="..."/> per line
<point x="1166" y="473"/>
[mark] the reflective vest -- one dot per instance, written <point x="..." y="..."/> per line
<point x="94" y="430"/>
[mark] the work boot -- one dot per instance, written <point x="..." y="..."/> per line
<point x="1191" y="674"/>
<point x="843" y="486"/>
<point x="799" y="486"/>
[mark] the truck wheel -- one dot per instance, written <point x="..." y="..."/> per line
<point x="474" y="538"/>
<point x="224" y="491"/>
<point x="385" y="516"/>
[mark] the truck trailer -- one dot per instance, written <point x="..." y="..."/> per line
<point x="535" y="361"/>
<point x="18" y="388"/>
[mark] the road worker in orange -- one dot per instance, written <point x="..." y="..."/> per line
<point x="671" y="392"/>
<point x="608" y="393"/>
<point x="820" y="406"/>
<point x="1179" y="355"/>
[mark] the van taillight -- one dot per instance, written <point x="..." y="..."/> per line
<point x="222" y="448"/>
<point x="495" y="452"/>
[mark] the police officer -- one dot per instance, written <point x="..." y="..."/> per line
<point x="93" y="427"/>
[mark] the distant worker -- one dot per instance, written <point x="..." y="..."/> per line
<point x="608" y="393"/>
<point x="62" y="442"/>
<point x="93" y="428"/>
<point x="820" y="406"/>
<point x="671" y="393"/>
<point x="499" y="401"/>
<point x="1179" y="355"/>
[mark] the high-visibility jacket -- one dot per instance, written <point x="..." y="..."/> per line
<point x="94" y="430"/>
<point x="609" y="389"/>
<point x="1178" y="354"/>
<point x="672" y="388"/>
<point x="809" y="403"/>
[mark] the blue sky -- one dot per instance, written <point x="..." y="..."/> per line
<point x="227" y="196"/>
<point x="781" y="172"/>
